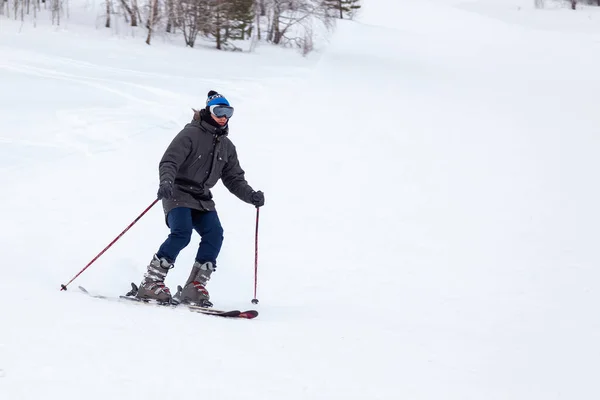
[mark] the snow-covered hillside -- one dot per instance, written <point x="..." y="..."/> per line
<point x="429" y="229"/>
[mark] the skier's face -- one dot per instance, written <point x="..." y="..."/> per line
<point x="222" y="121"/>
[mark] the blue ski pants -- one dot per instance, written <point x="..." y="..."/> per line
<point x="182" y="222"/>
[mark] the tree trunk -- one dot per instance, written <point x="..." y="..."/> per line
<point x="257" y="17"/>
<point x="153" y="4"/>
<point x="258" y="31"/>
<point x="56" y="12"/>
<point x="217" y="28"/>
<point x="170" y="12"/>
<point x="275" y="33"/>
<point x="154" y="15"/>
<point x="132" y="11"/>
<point x="107" y="25"/>
<point x="574" y="4"/>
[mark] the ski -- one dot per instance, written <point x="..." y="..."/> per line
<point x="96" y="296"/>
<point x="130" y="297"/>
<point x="201" y="310"/>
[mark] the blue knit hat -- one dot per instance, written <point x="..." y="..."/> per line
<point x="215" y="98"/>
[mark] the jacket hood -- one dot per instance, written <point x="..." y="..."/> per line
<point x="203" y="119"/>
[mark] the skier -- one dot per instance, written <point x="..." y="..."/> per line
<point x="196" y="159"/>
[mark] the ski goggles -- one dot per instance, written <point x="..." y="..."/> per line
<point x="221" y="111"/>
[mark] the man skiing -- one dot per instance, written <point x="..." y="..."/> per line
<point x="196" y="159"/>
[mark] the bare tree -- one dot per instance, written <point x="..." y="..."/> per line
<point x="16" y="4"/>
<point x="152" y="19"/>
<point x="341" y="7"/>
<point x="20" y="8"/>
<point x="274" y="34"/>
<point x="56" y="7"/>
<point x="219" y="22"/>
<point x="153" y="13"/>
<point x="307" y="44"/>
<point x="132" y="11"/>
<point x="292" y="22"/>
<point x="171" y="16"/>
<point x="258" y="12"/>
<point x="191" y="17"/>
<point x="108" y="12"/>
<point x="37" y="6"/>
<point x="590" y="2"/>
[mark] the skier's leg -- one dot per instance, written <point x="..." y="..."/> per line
<point x="153" y="286"/>
<point x="180" y="222"/>
<point x="209" y="227"/>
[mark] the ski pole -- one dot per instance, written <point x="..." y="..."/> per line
<point x="255" y="300"/>
<point x="64" y="287"/>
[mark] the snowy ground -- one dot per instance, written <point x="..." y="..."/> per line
<point x="429" y="231"/>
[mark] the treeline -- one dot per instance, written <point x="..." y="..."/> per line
<point x="572" y="3"/>
<point x="588" y="2"/>
<point x="225" y="22"/>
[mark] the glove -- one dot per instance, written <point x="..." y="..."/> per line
<point x="165" y="190"/>
<point x="257" y="198"/>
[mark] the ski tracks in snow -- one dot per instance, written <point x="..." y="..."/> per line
<point x="86" y="129"/>
<point x="100" y="108"/>
<point x="113" y="105"/>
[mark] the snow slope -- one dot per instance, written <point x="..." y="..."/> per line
<point x="429" y="231"/>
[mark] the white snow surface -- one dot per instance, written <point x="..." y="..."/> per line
<point x="429" y="232"/>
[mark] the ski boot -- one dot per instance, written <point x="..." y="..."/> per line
<point x="194" y="292"/>
<point x="153" y="286"/>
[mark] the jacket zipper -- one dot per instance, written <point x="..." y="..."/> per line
<point x="212" y="164"/>
<point x="195" y="161"/>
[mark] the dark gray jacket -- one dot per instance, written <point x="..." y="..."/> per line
<point x="196" y="159"/>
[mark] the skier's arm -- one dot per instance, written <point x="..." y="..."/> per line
<point x="233" y="178"/>
<point x="174" y="156"/>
